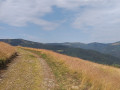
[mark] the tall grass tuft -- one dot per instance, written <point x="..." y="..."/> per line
<point x="6" y="52"/>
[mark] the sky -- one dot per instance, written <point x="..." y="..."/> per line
<point x="51" y="21"/>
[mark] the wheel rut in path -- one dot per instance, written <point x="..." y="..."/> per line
<point x="49" y="81"/>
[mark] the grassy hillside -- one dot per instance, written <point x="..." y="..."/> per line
<point x="74" y="73"/>
<point x="24" y="73"/>
<point x="90" y="55"/>
<point x="6" y="52"/>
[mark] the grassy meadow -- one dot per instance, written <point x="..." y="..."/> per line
<point x="78" y="74"/>
<point x="6" y="52"/>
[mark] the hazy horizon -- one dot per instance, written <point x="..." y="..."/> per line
<point x="60" y="42"/>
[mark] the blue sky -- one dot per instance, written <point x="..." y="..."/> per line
<point x="61" y="20"/>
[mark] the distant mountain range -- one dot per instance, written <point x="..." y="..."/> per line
<point x="110" y="48"/>
<point x="84" y="51"/>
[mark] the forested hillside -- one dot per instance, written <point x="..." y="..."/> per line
<point x="110" y="48"/>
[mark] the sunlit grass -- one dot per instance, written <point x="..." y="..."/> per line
<point x="25" y="73"/>
<point x="74" y="73"/>
<point x="6" y="51"/>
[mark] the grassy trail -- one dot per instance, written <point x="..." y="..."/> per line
<point x="78" y="74"/>
<point x="26" y="72"/>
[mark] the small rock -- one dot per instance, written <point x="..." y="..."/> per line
<point x="75" y="87"/>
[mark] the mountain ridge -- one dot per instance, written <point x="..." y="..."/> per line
<point x="106" y="48"/>
<point x="89" y="55"/>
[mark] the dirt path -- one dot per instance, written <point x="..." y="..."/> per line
<point x="49" y="81"/>
<point x="27" y="72"/>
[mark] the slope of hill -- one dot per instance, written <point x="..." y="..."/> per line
<point x="76" y="52"/>
<point x="23" y="73"/>
<point x="42" y="69"/>
<point x="116" y="43"/>
<point x="78" y="74"/>
<point x="110" y="48"/>
<point x="6" y="52"/>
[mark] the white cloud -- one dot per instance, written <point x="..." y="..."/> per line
<point x="102" y="15"/>
<point x="72" y="4"/>
<point x="46" y="25"/>
<point x="96" y="13"/>
<point x="101" y="21"/>
<point x="20" y="12"/>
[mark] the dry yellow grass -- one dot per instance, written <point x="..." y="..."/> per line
<point x="24" y="73"/>
<point x="6" y="51"/>
<point x="92" y="76"/>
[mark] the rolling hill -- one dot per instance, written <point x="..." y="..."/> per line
<point x="110" y="48"/>
<point x="90" y="55"/>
